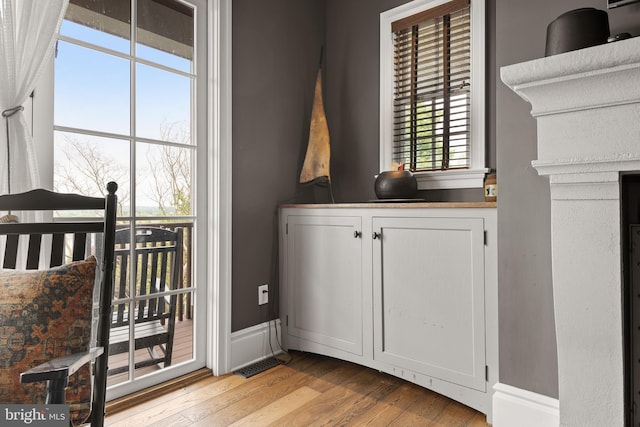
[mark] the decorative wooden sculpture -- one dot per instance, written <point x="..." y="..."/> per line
<point x="316" y="161"/>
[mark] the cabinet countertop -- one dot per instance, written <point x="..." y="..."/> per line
<point x="394" y="205"/>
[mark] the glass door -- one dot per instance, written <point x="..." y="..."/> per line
<point x="130" y="107"/>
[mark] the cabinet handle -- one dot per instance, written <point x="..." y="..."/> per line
<point x="357" y="234"/>
<point x="376" y="235"/>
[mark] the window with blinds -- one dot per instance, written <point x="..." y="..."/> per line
<point x="432" y="90"/>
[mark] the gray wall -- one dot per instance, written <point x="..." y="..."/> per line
<point x="275" y="58"/>
<point x="352" y="94"/>
<point x="276" y="51"/>
<point x="527" y="330"/>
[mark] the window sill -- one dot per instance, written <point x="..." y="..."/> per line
<point x="451" y="179"/>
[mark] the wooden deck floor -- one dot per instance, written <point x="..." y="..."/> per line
<point x="182" y="351"/>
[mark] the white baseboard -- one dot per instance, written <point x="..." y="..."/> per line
<point x="517" y="407"/>
<point x="251" y="345"/>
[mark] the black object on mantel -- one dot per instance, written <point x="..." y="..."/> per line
<point x="400" y="184"/>
<point x="577" y="29"/>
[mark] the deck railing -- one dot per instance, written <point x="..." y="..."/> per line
<point x="185" y="308"/>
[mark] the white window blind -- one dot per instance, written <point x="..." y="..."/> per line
<point x="432" y="88"/>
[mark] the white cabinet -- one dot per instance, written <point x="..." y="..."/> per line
<point x="428" y="294"/>
<point x="323" y="270"/>
<point x="411" y="291"/>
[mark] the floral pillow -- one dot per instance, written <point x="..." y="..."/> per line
<point x="46" y="314"/>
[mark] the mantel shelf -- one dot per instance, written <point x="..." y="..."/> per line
<point x="586" y="103"/>
<point x="577" y="63"/>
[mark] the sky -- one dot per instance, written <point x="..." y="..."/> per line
<point x="92" y="91"/>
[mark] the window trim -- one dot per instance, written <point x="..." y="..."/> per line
<point x="472" y="177"/>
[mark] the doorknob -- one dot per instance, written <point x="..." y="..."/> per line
<point x="376" y="235"/>
<point x="357" y="234"/>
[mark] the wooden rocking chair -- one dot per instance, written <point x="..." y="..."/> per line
<point x="158" y="268"/>
<point x="57" y="302"/>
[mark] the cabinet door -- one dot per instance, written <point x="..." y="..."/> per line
<point x="324" y="280"/>
<point x="429" y="297"/>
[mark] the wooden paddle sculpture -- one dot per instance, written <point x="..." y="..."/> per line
<point x="316" y="161"/>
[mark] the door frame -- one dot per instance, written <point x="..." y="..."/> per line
<point x="219" y="181"/>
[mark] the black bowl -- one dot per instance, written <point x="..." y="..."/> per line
<point x="396" y="185"/>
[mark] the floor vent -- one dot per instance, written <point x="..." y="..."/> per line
<point x="256" y="368"/>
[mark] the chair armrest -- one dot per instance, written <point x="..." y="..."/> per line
<point x="61" y="367"/>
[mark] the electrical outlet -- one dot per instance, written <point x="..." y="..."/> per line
<point x="263" y="294"/>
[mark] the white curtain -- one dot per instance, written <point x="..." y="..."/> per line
<point x="28" y="30"/>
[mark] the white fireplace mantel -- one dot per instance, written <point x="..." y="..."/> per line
<point x="587" y="107"/>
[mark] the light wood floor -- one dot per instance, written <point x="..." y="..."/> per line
<point x="312" y="390"/>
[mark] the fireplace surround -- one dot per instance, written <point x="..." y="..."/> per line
<point x="587" y="107"/>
